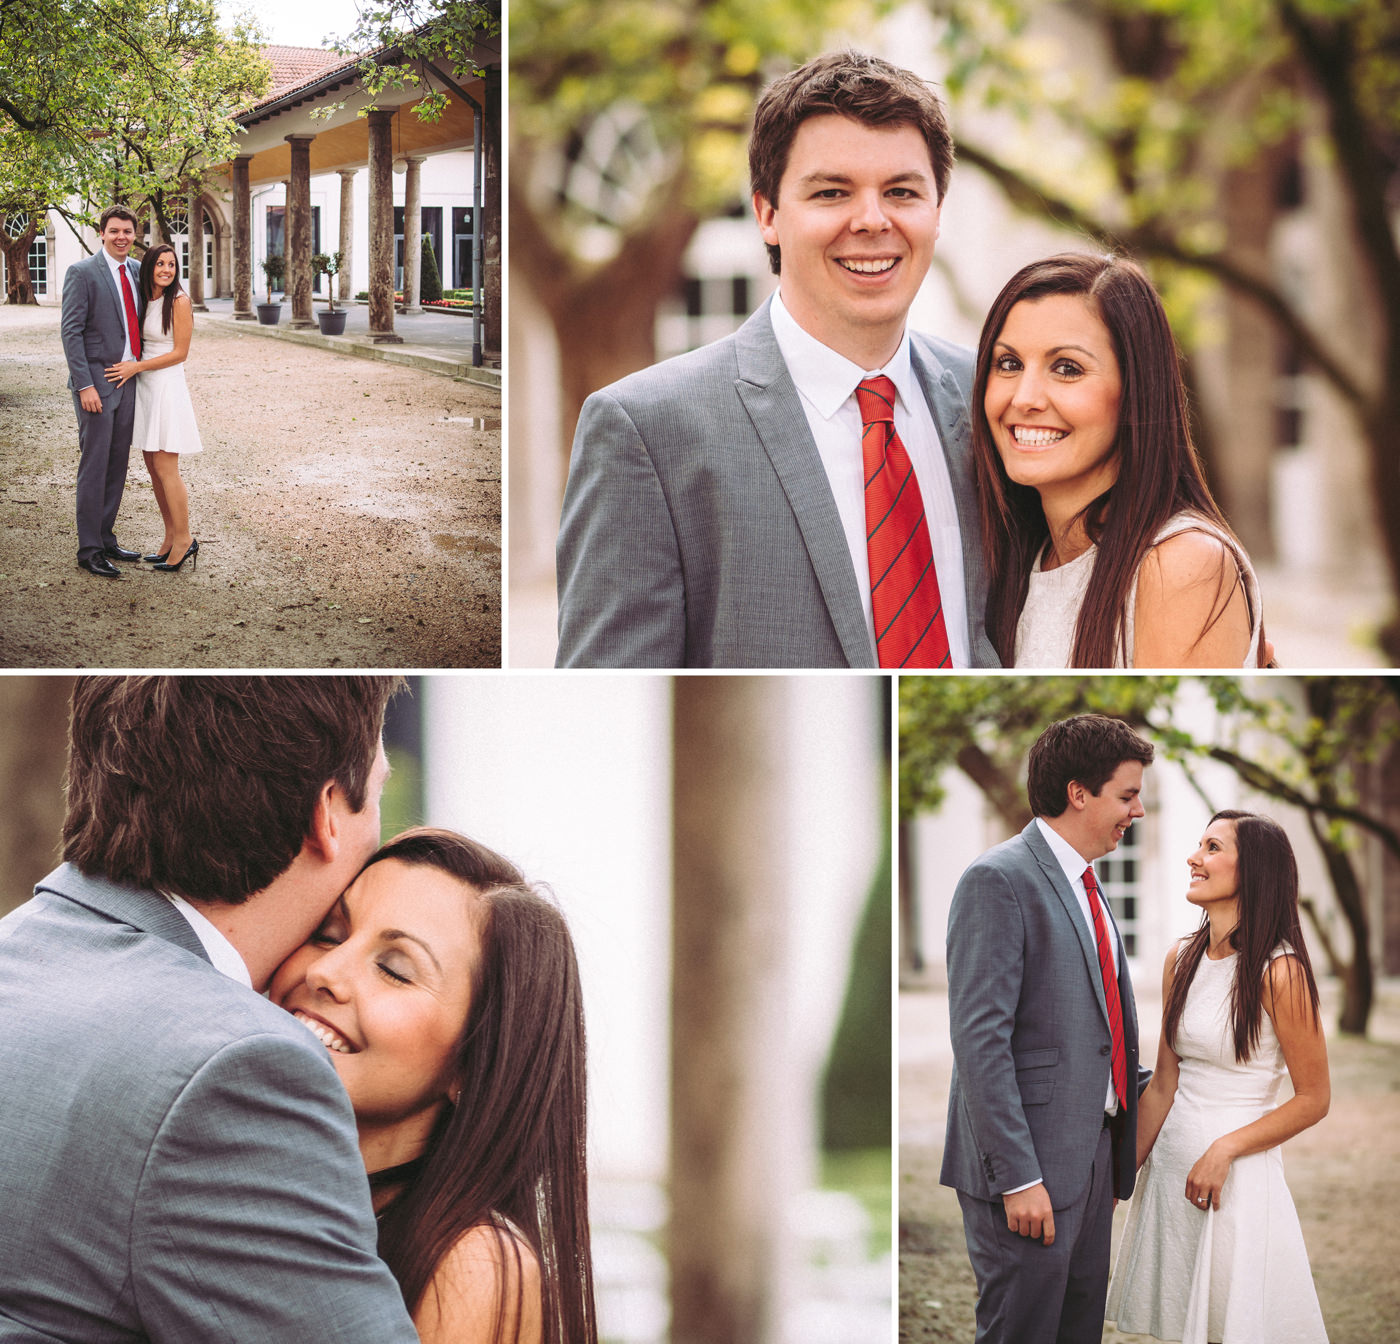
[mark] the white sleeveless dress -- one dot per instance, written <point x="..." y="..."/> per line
<point x="1239" y="1274"/>
<point x="1045" y="631"/>
<point x="164" y="416"/>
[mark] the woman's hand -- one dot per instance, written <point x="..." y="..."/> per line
<point x="119" y="373"/>
<point x="1204" y="1180"/>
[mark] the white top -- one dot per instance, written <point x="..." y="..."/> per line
<point x="1045" y="631"/>
<point x="1073" y="864"/>
<point x="826" y="384"/>
<point x="221" y="952"/>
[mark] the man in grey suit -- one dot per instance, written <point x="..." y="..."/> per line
<point x="1042" y="1111"/>
<point x="179" y="1160"/>
<point x="101" y="325"/>
<point x="723" y="508"/>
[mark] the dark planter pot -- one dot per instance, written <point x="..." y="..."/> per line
<point x="332" y="324"/>
<point x="269" y="313"/>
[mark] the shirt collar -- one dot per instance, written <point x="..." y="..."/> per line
<point x="221" y="952"/>
<point x="1069" y="858"/>
<point x="824" y="377"/>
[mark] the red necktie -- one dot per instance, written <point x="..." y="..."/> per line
<point x="904" y="597"/>
<point x="1110" y="988"/>
<point x="133" y="327"/>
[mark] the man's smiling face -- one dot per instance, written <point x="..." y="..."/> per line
<point x="856" y="219"/>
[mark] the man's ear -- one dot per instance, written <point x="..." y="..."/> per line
<point x="324" y="836"/>
<point x="765" y="211"/>
<point x="1078" y="795"/>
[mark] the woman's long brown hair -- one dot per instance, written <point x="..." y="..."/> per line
<point x="146" y="279"/>
<point x="1158" y="473"/>
<point x="510" y="1153"/>
<point x="1266" y="876"/>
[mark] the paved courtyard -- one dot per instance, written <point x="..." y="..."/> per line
<point x="348" y="513"/>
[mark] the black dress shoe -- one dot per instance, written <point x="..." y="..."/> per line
<point x="154" y="559"/>
<point x="99" y="565"/>
<point x="120" y="553"/>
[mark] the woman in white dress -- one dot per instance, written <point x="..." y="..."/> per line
<point x="1103" y="545"/>
<point x="446" y="990"/>
<point x="164" y="425"/>
<point x="1212" y="1252"/>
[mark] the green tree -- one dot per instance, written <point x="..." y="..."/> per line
<point x="1180" y="155"/>
<point x="429" y="281"/>
<point x="119" y="102"/>
<point x="628" y="127"/>
<point x="1311" y="742"/>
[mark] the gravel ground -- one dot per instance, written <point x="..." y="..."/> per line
<point x="348" y="514"/>
<point x="1344" y="1175"/>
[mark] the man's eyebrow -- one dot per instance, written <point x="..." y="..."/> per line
<point x="844" y="180"/>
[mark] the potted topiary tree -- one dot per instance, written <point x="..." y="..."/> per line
<point x="275" y="268"/>
<point x="332" y="321"/>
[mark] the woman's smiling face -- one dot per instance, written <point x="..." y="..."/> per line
<point x="1052" y="398"/>
<point x="385" y="984"/>
<point x="164" y="269"/>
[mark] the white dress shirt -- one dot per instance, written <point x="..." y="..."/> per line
<point x="116" y="268"/>
<point x="826" y="384"/>
<point x="1073" y="863"/>
<point x="221" y="952"/>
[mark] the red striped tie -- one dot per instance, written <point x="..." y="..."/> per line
<point x="133" y="327"/>
<point x="1110" y="988"/>
<point x="904" y="597"/>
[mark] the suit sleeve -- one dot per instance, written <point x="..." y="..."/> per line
<point x="253" y="1219"/>
<point x="621" y="588"/>
<point x="986" y="951"/>
<point x="77" y="300"/>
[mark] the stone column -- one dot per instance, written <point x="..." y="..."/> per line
<point x="242" y="242"/>
<point x="195" y="211"/>
<point x="344" y="279"/>
<point x="413" y="236"/>
<point x="490" y="224"/>
<point x="381" y="229"/>
<point x="731" y="1074"/>
<point x="299" y="231"/>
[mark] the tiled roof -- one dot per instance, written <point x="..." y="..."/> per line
<point x="295" y="66"/>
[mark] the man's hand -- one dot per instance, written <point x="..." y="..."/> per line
<point x="1028" y="1213"/>
<point x="90" y="400"/>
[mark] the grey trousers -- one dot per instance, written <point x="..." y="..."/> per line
<point x="104" y="444"/>
<point x="1030" y="1293"/>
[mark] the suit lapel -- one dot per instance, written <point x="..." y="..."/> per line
<point x="770" y="397"/>
<point x="1055" y="875"/>
<point x="950" y="418"/>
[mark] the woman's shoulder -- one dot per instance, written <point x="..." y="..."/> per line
<point x="1188" y="549"/>
<point x="182" y="299"/>
<point x="489" y="1267"/>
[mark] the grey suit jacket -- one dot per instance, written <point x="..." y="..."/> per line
<point x="91" y="323"/>
<point x="699" y="529"/>
<point x="178" y="1159"/>
<point x="1031" y="1040"/>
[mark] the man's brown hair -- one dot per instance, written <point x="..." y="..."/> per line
<point x="117" y="212"/>
<point x="206" y="786"/>
<point x="1088" y="749"/>
<point x="847" y="84"/>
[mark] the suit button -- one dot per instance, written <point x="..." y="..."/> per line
<point x="1105" y="1049"/>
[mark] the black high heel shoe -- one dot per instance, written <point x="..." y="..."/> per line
<point x="192" y="555"/>
<point x="154" y="559"/>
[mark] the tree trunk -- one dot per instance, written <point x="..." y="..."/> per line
<point x="33" y="746"/>
<point x="729" y="995"/>
<point x="604" y="317"/>
<point x="19" y="285"/>
<point x="1358" y="986"/>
